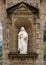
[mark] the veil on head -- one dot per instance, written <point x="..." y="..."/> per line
<point x="22" y="29"/>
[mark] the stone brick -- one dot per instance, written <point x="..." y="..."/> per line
<point x="16" y="21"/>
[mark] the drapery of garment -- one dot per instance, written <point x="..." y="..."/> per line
<point x="22" y="42"/>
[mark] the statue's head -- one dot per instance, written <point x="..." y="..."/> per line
<point x="22" y="29"/>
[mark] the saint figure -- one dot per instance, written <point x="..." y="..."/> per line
<point x="22" y="41"/>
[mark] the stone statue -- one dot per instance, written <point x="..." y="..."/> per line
<point x="22" y="41"/>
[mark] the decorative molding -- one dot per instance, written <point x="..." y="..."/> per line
<point x="13" y="55"/>
<point x="29" y="7"/>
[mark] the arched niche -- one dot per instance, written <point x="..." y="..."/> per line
<point x="23" y="22"/>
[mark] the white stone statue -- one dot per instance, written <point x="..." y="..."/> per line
<point x="23" y="41"/>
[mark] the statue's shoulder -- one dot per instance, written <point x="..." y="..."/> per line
<point x="20" y="33"/>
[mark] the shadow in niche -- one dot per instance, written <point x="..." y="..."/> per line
<point x="23" y="22"/>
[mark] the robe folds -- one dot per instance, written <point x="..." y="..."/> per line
<point x="23" y="42"/>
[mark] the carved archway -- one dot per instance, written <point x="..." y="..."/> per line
<point x="28" y="26"/>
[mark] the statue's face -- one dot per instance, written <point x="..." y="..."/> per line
<point x="22" y="29"/>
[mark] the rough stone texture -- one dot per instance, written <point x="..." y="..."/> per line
<point x="1" y="63"/>
<point x="13" y="2"/>
<point x="13" y="24"/>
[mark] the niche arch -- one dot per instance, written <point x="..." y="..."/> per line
<point x="24" y="22"/>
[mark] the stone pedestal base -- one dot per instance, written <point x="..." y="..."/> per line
<point x="22" y="59"/>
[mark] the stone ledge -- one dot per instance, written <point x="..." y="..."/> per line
<point x="13" y="55"/>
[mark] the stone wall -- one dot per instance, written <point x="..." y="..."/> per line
<point x="38" y="46"/>
<point x="1" y="63"/>
<point x="10" y="3"/>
